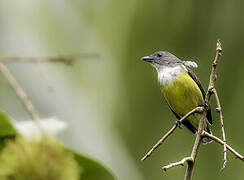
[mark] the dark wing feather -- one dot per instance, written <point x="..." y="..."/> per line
<point x="185" y="123"/>
<point x="194" y="77"/>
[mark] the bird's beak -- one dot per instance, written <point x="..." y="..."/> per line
<point x="147" y="58"/>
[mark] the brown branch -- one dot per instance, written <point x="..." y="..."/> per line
<point x="20" y="93"/>
<point x="213" y="75"/>
<point x="212" y="80"/>
<point x="196" y="146"/>
<point x="68" y="60"/>
<point x="219" y="110"/>
<point x="196" y="110"/>
<point x="44" y="76"/>
<point x="179" y="163"/>
<point x="212" y="90"/>
<point x="221" y="142"/>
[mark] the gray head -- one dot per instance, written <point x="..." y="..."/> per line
<point x="162" y="58"/>
<point x="166" y="59"/>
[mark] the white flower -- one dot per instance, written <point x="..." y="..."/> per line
<point x="32" y="130"/>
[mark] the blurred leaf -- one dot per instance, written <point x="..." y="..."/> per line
<point x="20" y="156"/>
<point x="89" y="169"/>
<point x="92" y="170"/>
<point x="6" y="129"/>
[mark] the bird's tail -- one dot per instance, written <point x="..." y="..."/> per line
<point x="206" y="140"/>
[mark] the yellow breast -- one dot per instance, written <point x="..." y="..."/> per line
<point x="183" y="95"/>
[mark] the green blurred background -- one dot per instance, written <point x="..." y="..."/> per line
<point x="113" y="104"/>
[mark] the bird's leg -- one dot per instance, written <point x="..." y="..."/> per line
<point x="178" y="123"/>
<point x="204" y="104"/>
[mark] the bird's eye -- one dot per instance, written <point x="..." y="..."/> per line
<point x="159" y="55"/>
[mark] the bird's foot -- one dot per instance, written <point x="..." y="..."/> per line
<point x="204" y="105"/>
<point x="178" y="123"/>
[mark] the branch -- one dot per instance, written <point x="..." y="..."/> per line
<point x="68" y="60"/>
<point x="213" y="75"/>
<point x="212" y="80"/>
<point x="196" y="110"/>
<point x="196" y="146"/>
<point x="216" y="139"/>
<point x="44" y="76"/>
<point x="20" y="93"/>
<point x="179" y="163"/>
<point x="212" y="90"/>
<point x="219" y="110"/>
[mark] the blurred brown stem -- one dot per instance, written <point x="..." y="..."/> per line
<point x="20" y="93"/>
<point x="68" y="60"/>
<point x="44" y="76"/>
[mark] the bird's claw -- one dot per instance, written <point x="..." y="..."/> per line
<point x="178" y="123"/>
<point x="204" y="105"/>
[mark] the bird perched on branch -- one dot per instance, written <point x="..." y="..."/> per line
<point x="181" y="88"/>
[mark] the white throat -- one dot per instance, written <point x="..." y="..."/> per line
<point x="168" y="75"/>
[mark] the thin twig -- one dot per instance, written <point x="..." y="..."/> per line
<point x="212" y="90"/>
<point x="20" y="93"/>
<point x="68" y="60"/>
<point x="212" y="80"/>
<point x="196" y="146"/>
<point x="196" y="110"/>
<point x="179" y="163"/>
<point x="216" y="139"/>
<point x="44" y="76"/>
<point x="213" y="75"/>
<point x="219" y="110"/>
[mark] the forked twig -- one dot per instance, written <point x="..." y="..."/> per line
<point x="196" y="110"/>
<point x="179" y="163"/>
<point x="221" y="142"/>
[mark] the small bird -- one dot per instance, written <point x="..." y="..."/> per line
<point x="181" y="88"/>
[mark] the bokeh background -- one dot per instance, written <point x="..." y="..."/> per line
<point x="112" y="103"/>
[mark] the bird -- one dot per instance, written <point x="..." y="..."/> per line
<point x="181" y="89"/>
